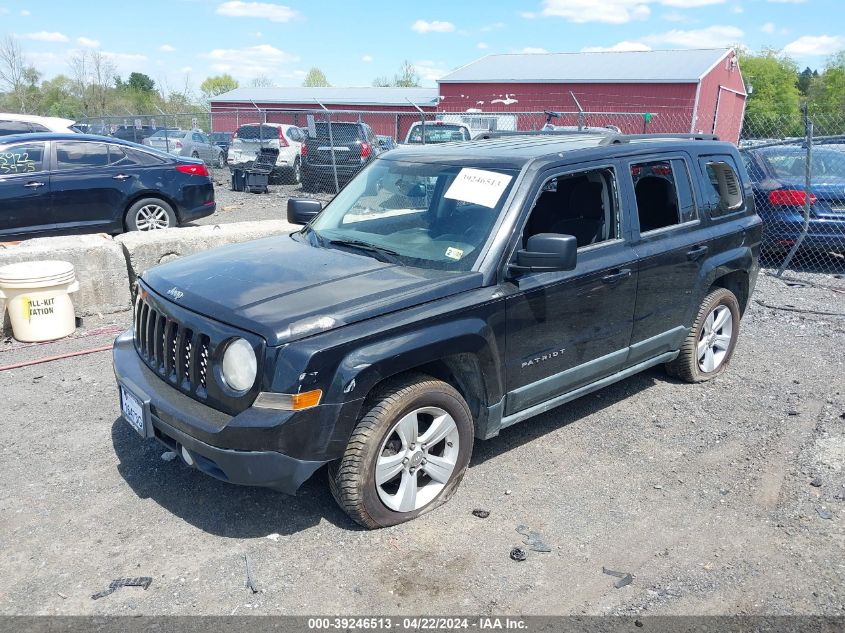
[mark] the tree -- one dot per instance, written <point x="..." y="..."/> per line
<point x="773" y="107"/>
<point x="827" y="94"/>
<point x="408" y="77"/>
<point x="315" y="78"/>
<point x="139" y="82"/>
<point x="262" y="81"/>
<point x="805" y="80"/>
<point x="18" y="77"/>
<point x="217" y="85"/>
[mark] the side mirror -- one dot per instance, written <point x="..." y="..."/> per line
<point x="303" y="210"/>
<point x="547" y="252"/>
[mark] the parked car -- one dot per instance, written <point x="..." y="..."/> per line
<point x="133" y="133"/>
<point x="221" y="140"/>
<point x="249" y="138"/>
<point x="447" y="293"/>
<point x="25" y="123"/>
<point x="191" y="143"/>
<point x="354" y="143"/>
<point x="437" y="132"/>
<point x="778" y="175"/>
<point x="77" y="183"/>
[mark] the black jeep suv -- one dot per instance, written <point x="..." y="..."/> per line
<point x="447" y="292"/>
<point x="341" y="151"/>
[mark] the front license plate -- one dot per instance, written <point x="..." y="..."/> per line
<point x="133" y="410"/>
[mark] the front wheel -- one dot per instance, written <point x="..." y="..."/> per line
<point x="150" y="214"/>
<point x="710" y="344"/>
<point x="407" y="454"/>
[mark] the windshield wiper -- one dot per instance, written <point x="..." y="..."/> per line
<point x="386" y="254"/>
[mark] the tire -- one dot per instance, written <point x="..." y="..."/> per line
<point x="383" y="434"/>
<point x="705" y="346"/>
<point x="294" y="176"/>
<point x="150" y="214"/>
<point x="220" y="162"/>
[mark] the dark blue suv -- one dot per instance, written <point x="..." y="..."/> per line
<point x="73" y="183"/>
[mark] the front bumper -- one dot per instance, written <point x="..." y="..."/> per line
<point x="237" y="449"/>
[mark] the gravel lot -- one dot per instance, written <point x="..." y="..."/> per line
<point x="722" y="498"/>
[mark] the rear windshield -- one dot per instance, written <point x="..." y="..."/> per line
<point x="342" y="133"/>
<point x="436" y="133"/>
<point x="258" y="132"/>
<point x="168" y="134"/>
<point x="792" y="164"/>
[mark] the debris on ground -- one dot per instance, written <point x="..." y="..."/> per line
<point x="625" y="579"/>
<point x="507" y="492"/>
<point x="273" y="537"/>
<point x="824" y="513"/>
<point x="816" y="482"/>
<point x="533" y="539"/>
<point x="518" y="554"/>
<point x="481" y="514"/>
<point x="114" y="585"/>
<point x="168" y="456"/>
<point x="249" y="580"/>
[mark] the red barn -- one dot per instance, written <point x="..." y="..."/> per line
<point x="681" y="90"/>
<point x="401" y="106"/>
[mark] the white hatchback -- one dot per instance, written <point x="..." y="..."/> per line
<point x="251" y="137"/>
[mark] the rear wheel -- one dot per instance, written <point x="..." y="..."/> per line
<point x="221" y="161"/>
<point x="150" y="214"/>
<point x="710" y="344"/>
<point x="407" y="454"/>
<point x="295" y="174"/>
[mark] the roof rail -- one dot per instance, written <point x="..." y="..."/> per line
<point x="504" y="133"/>
<point x="615" y="139"/>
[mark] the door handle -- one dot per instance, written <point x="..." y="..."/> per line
<point x="697" y="253"/>
<point x="33" y="185"/>
<point x="121" y="177"/>
<point x="617" y="276"/>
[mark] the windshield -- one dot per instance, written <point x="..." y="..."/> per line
<point x="424" y="214"/>
<point x="437" y="133"/>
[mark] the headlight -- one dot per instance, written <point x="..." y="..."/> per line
<point x="239" y="365"/>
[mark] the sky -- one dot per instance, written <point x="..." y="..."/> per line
<point x="175" y="41"/>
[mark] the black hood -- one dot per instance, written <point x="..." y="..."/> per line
<point x="283" y="289"/>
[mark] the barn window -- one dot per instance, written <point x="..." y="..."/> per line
<point x="725" y="194"/>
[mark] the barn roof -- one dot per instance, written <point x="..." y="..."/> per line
<point x="373" y="96"/>
<point x="677" y="66"/>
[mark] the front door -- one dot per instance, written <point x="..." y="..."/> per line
<point x="24" y="189"/>
<point x="567" y="329"/>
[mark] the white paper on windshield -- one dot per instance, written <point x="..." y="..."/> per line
<point x="478" y="186"/>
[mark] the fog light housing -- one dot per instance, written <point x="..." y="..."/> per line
<point x="240" y="367"/>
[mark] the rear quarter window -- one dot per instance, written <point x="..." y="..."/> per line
<point x="721" y="184"/>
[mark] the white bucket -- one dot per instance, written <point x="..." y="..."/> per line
<point x="37" y="298"/>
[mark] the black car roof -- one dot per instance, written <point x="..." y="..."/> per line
<point x="516" y="150"/>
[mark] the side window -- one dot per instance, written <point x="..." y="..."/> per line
<point x="664" y="196"/>
<point x="198" y="138"/>
<point x="583" y="204"/>
<point x="22" y="159"/>
<point x="13" y="127"/>
<point x="76" y="155"/>
<point x="725" y="192"/>
<point x="119" y="158"/>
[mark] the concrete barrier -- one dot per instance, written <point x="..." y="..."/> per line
<point x="100" y="268"/>
<point x="145" y="250"/>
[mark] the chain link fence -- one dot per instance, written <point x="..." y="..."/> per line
<point x="796" y="162"/>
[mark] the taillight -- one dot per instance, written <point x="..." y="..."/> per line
<point x="283" y="142"/>
<point x="234" y="135"/>
<point x="366" y="148"/>
<point x="193" y="170"/>
<point x="303" y="150"/>
<point x="789" y="198"/>
<point x="178" y="145"/>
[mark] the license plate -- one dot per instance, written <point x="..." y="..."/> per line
<point x="133" y="411"/>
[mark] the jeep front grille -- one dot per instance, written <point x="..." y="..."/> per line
<point x="175" y="352"/>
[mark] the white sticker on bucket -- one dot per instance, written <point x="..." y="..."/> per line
<point x="478" y="186"/>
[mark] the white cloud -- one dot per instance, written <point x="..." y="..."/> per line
<point x="46" y="36"/>
<point x="166" y="48"/>
<point x="810" y="45"/>
<point x="252" y="61"/>
<point x="532" y="50"/>
<point x="675" y="16"/>
<point x="259" y="34"/>
<point x="528" y="15"/>
<point x="87" y="42"/>
<point x="482" y="45"/>
<point x="492" y="27"/>
<point x="690" y="4"/>
<point x="787" y="1"/>
<point x="607" y="11"/>
<point x="737" y="8"/>
<point x="621" y="46"/>
<point x="264" y="10"/>
<point x="436" y="26"/>
<point x="768" y="27"/>
<point x="698" y="38"/>
<point x="185" y="69"/>
<point x="430" y="71"/>
<point x="25" y="13"/>
<point x="367" y="58"/>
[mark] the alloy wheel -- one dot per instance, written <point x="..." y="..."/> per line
<point x="715" y="339"/>
<point x="151" y="217"/>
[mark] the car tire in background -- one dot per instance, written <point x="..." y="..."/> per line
<point x="150" y="214"/>
<point x="707" y="350"/>
<point x="220" y="162"/>
<point x="407" y="454"/>
<point x="294" y="175"/>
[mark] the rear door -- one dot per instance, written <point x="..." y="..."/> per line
<point x="87" y="191"/>
<point x="24" y="188"/>
<point x="671" y="242"/>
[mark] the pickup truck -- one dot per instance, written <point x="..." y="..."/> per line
<point x="449" y="291"/>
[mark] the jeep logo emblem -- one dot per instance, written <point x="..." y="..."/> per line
<point x="175" y="293"/>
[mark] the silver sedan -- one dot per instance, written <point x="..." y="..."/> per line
<point x="187" y="143"/>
